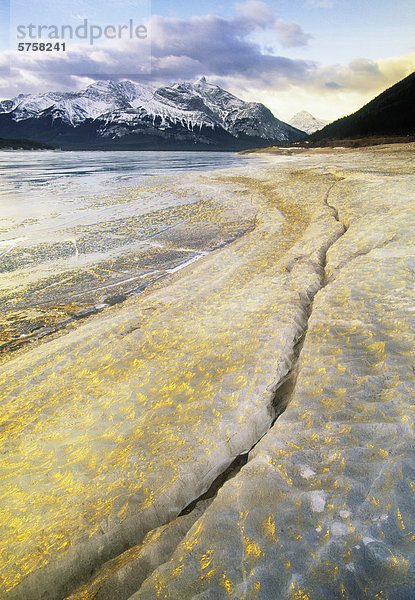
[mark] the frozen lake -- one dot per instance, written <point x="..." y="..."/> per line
<point x="82" y="229"/>
<point x="113" y="429"/>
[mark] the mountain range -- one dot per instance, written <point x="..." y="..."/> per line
<point x="127" y="115"/>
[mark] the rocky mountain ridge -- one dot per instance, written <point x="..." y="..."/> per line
<point x="129" y="115"/>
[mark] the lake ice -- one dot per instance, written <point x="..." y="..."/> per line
<point x="112" y="429"/>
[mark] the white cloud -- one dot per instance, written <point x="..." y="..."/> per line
<point x="224" y="51"/>
<point x="333" y="91"/>
<point x="291" y="34"/>
<point x="209" y="45"/>
<point x="256" y="12"/>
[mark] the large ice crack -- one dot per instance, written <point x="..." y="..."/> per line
<point x="282" y="388"/>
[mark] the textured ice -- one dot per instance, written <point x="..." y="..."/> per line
<point x="111" y="430"/>
<point x="75" y="233"/>
<point x="350" y="419"/>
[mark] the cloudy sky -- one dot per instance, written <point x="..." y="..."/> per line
<point x="325" y="56"/>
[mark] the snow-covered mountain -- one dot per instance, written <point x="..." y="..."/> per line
<point x="126" y="114"/>
<point x="305" y="121"/>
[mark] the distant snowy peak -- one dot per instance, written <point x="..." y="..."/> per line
<point x="305" y="121"/>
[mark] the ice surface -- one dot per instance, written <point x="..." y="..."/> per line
<point x="111" y="430"/>
<point x="75" y="233"/>
<point x="347" y="531"/>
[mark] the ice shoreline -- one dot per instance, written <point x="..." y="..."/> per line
<point x="284" y="269"/>
<point x="50" y="285"/>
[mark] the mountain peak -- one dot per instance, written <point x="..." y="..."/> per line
<point x="130" y="114"/>
<point x="306" y="122"/>
<point x="303" y="113"/>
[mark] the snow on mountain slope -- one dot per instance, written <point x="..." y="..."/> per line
<point x="305" y="121"/>
<point x="126" y="107"/>
<point x="75" y="107"/>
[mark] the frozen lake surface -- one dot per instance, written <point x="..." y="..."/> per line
<point x="79" y="230"/>
<point x="290" y="349"/>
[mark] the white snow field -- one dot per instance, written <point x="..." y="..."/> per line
<point x="112" y="429"/>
